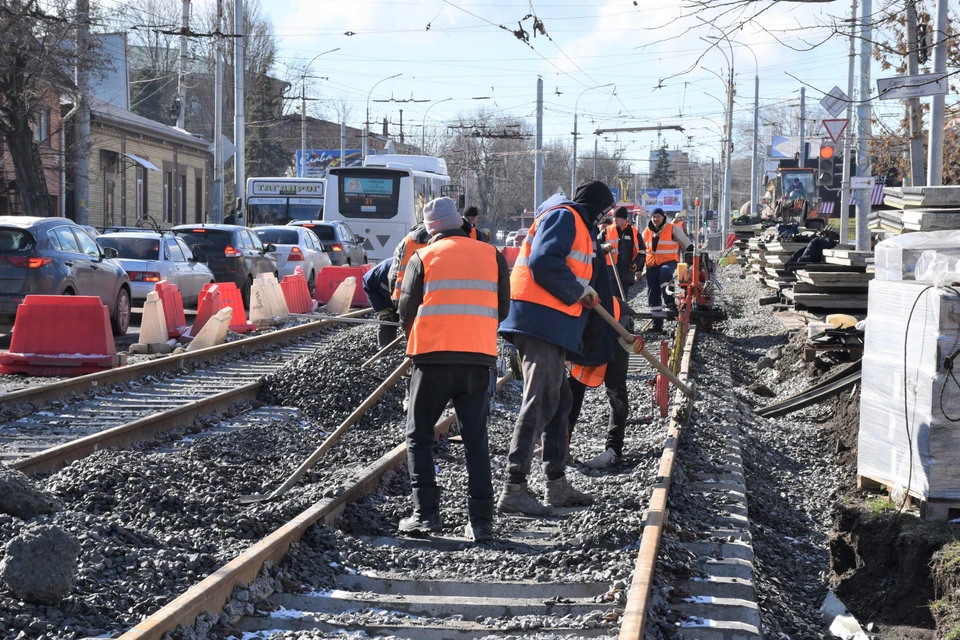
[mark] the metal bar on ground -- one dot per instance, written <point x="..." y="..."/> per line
<point x="382" y="352"/>
<point x="217" y="588"/>
<point x="641" y="587"/>
<point x="834" y="385"/>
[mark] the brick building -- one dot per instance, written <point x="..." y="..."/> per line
<point x="142" y="167"/>
<point x="50" y="142"/>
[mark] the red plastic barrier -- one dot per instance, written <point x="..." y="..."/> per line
<point x="172" y="308"/>
<point x="330" y="278"/>
<point x="230" y="296"/>
<point x="510" y="254"/>
<point x="297" y="293"/>
<point x="210" y="304"/>
<point x="731" y="240"/>
<point x="61" y="336"/>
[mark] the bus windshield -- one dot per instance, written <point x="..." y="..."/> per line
<point x="364" y="193"/>
<point x="306" y="211"/>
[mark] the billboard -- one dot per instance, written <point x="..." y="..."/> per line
<point x="319" y="160"/>
<point x="666" y="199"/>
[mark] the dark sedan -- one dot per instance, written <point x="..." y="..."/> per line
<point x="55" y="256"/>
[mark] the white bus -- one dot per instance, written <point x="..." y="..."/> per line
<point x="282" y="200"/>
<point x="384" y="199"/>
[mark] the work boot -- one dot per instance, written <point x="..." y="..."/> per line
<point x="516" y="498"/>
<point x="426" y="512"/>
<point x="479" y="531"/>
<point x="605" y="460"/>
<point x="560" y="493"/>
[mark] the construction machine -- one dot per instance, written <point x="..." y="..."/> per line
<point x="793" y="195"/>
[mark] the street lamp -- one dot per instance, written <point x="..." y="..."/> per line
<point x="366" y="125"/>
<point x="303" y="113"/>
<point x="423" y="126"/>
<point x="573" y="180"/>
<point x="725" y="205"/>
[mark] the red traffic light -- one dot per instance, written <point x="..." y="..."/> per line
<point x="826" y="152"/>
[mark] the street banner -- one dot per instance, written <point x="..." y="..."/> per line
<point x="319" y="160"/>
<point x="666" y="199"/>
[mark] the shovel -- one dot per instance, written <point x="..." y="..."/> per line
<point x="332" y="438"/>
<point x="659" y="366"/>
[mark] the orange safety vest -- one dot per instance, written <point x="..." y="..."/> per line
<point x="613" y="239"/>
<point x="593" y="376"/>
<point x="668" y="249"/>
<point x="409" y="247"/>
<point x="460" y="306"/>
<point x="580" y="261"/>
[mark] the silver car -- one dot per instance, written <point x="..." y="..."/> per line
<point x="296" y="247"/>
<point x="150" y="256"/>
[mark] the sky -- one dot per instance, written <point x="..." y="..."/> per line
<point x="649" y="50"/>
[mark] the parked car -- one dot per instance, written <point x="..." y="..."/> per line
<point x="510" y="236"/>
<point x="233" y="253"/>
<point x="55" y="256"/>
<point x="339" y="242"/>
<point x="149" y="257"/>
<point x="296" y="247"/>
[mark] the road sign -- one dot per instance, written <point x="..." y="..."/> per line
<point x="900" y="87"/>
<point x="835" y="102"/>
<point x="865" y="182"/>
<point x="835" y="128"/>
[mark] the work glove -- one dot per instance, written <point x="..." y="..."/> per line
<point x="590" y="298"/>
<point x="632" y="347"/>
<point x="607" y="247"/>
<point x="633" y="267"/>
<point x="385" y="314"/>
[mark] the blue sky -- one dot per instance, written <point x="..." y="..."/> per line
<point x="465" y="55"/>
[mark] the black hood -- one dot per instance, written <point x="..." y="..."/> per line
<point x="595" y="198"/>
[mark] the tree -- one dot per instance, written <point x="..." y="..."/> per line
<point x="264" y="153"/>
<point x="36" y="52"/>
<point x="662" y="176"/>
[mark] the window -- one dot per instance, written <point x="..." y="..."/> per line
<point x="278" y="236"/>
<point x="87" y="245"/>
<point x="54" y="240"/>
<point x="172" y="250"/>
<point x="168" y="196"/>
<point x="198" y="200"/>
<point x="255" y="241"/>
<point x="314" y="240"/>
<point x="131" y="248"/>
<point x="41" y="127"/>
<point x="187" y="254"/>
<point x="182" y="212"/>
<point x="243" y="241"/>
<point x="141" y="196"/>
<point x="68" y="242"/>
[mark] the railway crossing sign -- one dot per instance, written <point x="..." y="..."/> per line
<point x="835" y="102"/>
<point x="835" y="128"/>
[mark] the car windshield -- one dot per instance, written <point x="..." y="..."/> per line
<point x="200" y="240"/>
<point x="15" y="240"/>
<point x="323" y="231"/>
<point x="132" y="248"/>
<point x="278" y="236"/>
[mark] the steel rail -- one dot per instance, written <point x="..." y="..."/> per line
<point x="215" y="590"/>
<point x="641" y="586"/>
<point x="833" y="385"/>
<point x="40" y="395"/>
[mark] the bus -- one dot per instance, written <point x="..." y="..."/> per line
<point x="282" y="200"/>
<point x="384" y="199"/>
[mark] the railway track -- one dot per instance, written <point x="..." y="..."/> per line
<point x="434" y="603"/>
<point x="68" y="420"/>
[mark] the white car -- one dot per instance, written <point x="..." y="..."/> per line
<point x="296" y="247"/>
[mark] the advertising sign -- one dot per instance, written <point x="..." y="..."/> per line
<point x="666" y="199"/>
<point x="319" y="160"/>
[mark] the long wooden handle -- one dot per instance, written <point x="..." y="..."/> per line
<point x="659" y="366"/>
<point x="380" y="354"/>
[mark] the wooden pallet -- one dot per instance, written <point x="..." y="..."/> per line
<point x="845" y="301"/>
<point x="931" y="509"/>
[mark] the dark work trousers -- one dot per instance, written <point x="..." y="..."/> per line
<point x="544" y="409"/>
<point x="658" y="278"/>
<point x="431" y="387"/>
<point x="615" y="384"/>
<point x="387" y="333"/>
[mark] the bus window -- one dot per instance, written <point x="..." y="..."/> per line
<point x="368" y="194"/>
<point x="267" y="211"/>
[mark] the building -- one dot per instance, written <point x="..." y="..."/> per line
<point x="675" y="156"/>
<point x="48" y="134"/>
<point x="141" y="167"/>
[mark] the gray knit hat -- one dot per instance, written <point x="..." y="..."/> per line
<point x="441" y="215"/>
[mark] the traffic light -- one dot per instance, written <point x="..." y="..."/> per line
<point x="827" y="166"/>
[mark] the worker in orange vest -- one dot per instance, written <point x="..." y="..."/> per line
<point x="470" y="218"/>
<point x="623" y="248"/>
<point x="455" y="293"/>
<point x="662" y="242"/>
<point x="416" y="239"/>
<point x="551" y="290"/>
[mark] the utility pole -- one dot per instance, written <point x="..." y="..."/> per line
<point x="803" y="127"/>
<point x="596" y="150"/>
<point x="239" y="103"/>
<point x="182" y="79"/>
<point x="938" y="106"/>
<point x="864" y="196"/>
<point x="218" y="190"/>
<point x="754" y="179"/>
<point x="538" y="168"/>
<point x="848" y="139"/>
<point x="725" y="223"/>
<point x="917" y="173"/>
<point x="573" y="176"/>
<point x="82" y="188"/>
<point x="343" y="144"/>
<point x="303" y="127"/>
<point x="712" y="199"/>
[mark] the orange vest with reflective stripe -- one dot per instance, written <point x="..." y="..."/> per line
<point x="580" y="261"/>
<point x="408" y="248"/>
<point x="474" y="233"/>
<point x="613" y="239"/>
<point x="668" y="249"/>
<point x="459" y="309"/>
<point x="593" y="376"/>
